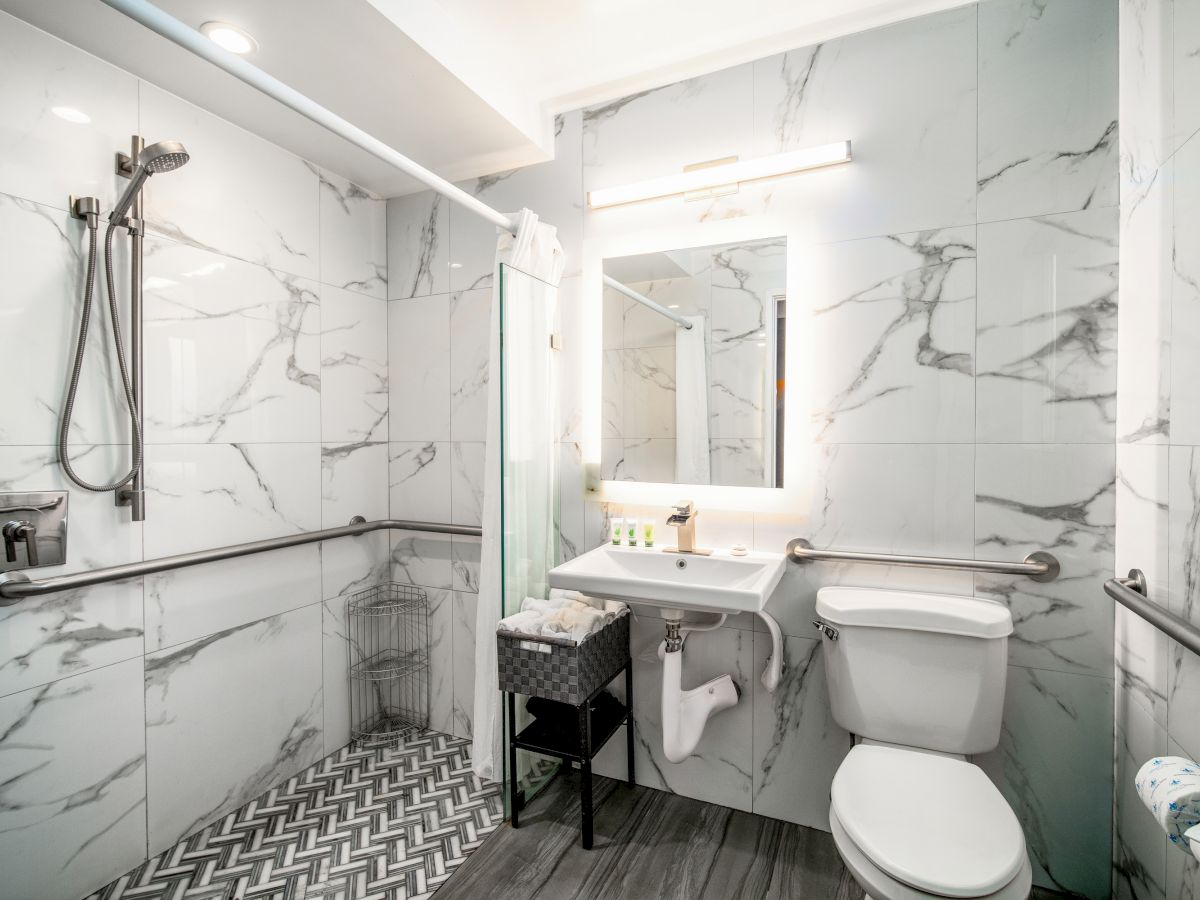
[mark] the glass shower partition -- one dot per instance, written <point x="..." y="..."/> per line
<point x="528" y="459"/>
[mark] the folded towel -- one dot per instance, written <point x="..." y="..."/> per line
<point x="1170" y="788"/>
<point x="529" y="622"/>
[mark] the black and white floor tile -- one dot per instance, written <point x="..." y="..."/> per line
<point x="361" y="824"/>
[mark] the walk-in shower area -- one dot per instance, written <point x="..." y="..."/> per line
<point x="697" y="451"/>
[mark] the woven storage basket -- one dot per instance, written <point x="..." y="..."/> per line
<point x="558" y="668"/>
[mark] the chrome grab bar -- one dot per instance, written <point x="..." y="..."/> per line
<point x="16" y="586"/>
<point x="1131" y="593"/>
<point x="1038" y="566"/>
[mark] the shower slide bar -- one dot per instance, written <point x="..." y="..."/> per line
<point x="1037" y="566"/>
<point x="15" y="586"/>
<point x="190" y="39"/>
<point x="1131" y="592"/>
<point x="646" y="302"/>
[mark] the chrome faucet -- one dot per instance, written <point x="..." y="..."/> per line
<point x="683" y="518"/>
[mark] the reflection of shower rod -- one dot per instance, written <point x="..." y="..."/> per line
<point x="646" y="302"/>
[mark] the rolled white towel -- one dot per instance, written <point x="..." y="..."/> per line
<point x="525" y="622"/>
<point x="1170" y="788"/>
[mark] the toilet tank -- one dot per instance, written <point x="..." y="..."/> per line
<point x="920" y="670"/>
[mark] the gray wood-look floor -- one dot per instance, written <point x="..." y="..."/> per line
<point x="649" y="844"/>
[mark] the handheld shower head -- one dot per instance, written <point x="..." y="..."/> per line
<point x="165" y="156"/>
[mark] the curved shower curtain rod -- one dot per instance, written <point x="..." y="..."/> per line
<point x="190" y="39"/>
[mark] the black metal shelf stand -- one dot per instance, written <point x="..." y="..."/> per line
<point x="596" y="724"/>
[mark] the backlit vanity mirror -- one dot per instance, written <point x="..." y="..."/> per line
<point x="693" y="380"/>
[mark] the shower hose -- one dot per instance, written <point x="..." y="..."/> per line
<point x="80" y="349"/>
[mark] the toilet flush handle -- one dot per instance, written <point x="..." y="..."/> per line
<point x="826" y="629"/>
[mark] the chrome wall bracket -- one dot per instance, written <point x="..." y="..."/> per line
<point x="34" y="529"/>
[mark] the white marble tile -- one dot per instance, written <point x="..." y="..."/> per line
<point x="738" y="462"/>
<point x="1144" y="333"/>
<point x="470" y="348"/>
<point x="895" y="498"/>
<point x="1060" y="789"/>
<point x="570" y="514"/>
<point x="646" y="459"/>
<point x="75" y="631"/>
<point x="464" y="563"/>
<point x="1184" y="594"/>
<point x="1046" y="346"/>
<point x="352" y="483"/>
<point x="419" y="476"/>
<point x="187" y="604"/>
<point x="571" y="365"/>
<point x="466" y="482"/>
<point x="355" y="563"/>
<point x="353" y="236"/>
<point x="43" y="156"/>
<point x="1185" y="69"/>
<point x="1141" y="651"/>
<point x="745" y="278"/>
<point x="354" y="366"/>
<point x="1139" y="846"/>
<point x="612" y="394"/>
<point x="423" y="559"/>
<point x="1185" y="297"/>
<point x="553" y="190"/>
<point x="721" y="769"/>
<point x="741" y="398"/>
<point x="905" y="96"/>
<point x="74" y="761"/>
<point x="1058" y="498"/>
<point x="648" y="388"/>
<point x="233" y="350"/>
<point x="419" y="369"/>
<point x="418" y="245"/>
<point x="797" y="744"/>
<point x="44" y="252"/>
<point x="442" y="660"/>
<point x="1047" y="106"/>
<point x="335" y="675"/>
<point x="893" y="332"/>
<point x="214" y="738"/>
<point x="463" y="627"/>
<point x="1146" y="89"/>
<point x="209" y="495"/>
<point x="238" y="194"/>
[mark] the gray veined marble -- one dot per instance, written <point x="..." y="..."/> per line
<point x="418" y="245"/>
<point x="72" y="809"/>
<point x="1058" y="498"/>
<point x="354" y="366"/>
<point x="894" y="334"/>
<point x="1184" y="557"/>
<point x="1047" y="329"/>
<point x="214" y="742"/>
<point x="232" y="349"/>
<point x="353" y="236"/>
<point x="1047" y="106"/>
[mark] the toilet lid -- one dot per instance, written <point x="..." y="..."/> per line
<point x="933" y="822"/>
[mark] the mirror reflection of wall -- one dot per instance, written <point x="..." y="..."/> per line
<point x="698" y="405"/>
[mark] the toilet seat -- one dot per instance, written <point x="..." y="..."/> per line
<point x="933" y="823"/>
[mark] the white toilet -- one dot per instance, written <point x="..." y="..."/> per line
<point x="919" y="678"/>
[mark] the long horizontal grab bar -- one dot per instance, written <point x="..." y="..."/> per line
<point x="15" y="586"/>
<point x="1131" y="593"/>
<point x="1039" y="565"/>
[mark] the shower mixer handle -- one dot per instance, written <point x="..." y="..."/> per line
<point x="20" y="532"/>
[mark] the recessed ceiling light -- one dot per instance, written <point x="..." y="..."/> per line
<point x="229" y="37"/>
<point x="71" y="114"/>
<point x="456" y="265"/>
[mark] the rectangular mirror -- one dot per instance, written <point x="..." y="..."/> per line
<point x="693" y="365"/>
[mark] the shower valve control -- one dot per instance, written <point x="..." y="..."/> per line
<point x="35" y="523"/>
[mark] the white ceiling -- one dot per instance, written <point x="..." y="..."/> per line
<point x="464" y="87"/>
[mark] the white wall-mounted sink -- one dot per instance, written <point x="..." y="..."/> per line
<point x="720" y="583"/>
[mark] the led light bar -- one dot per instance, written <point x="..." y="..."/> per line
<point x="730" y="173"/>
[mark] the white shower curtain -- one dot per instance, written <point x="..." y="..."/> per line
<point x="691" y="404"/>
<point x="527" y="524"/>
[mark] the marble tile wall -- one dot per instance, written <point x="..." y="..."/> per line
<point x="133" y="713"/>
<point x="963" y="399"/>
<point x="1158" y="461"/>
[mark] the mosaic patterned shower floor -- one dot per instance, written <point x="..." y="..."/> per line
<point x="382" y="824"/>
